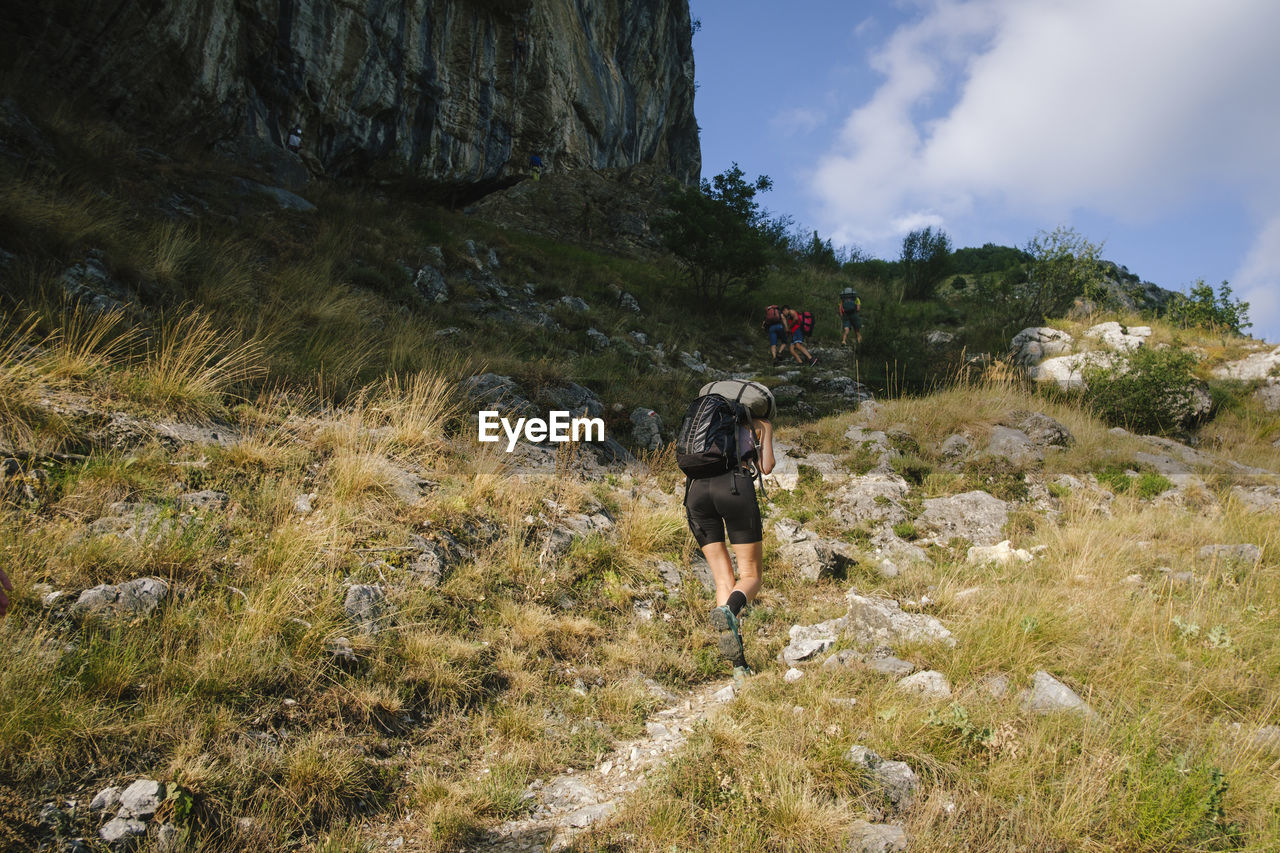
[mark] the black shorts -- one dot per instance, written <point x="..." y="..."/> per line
<point x="711" y="507"/>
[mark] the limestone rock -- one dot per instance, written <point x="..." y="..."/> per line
<point x="808" y="641"/>
<point x="891" y="666"/>
<point x="1068" y="370"/>
<point x="816" y="559"/>
<point x="867" y="837"/>
<point x="120" y="831"/>
<point x="1258" y="365"/>
<point x="646" y="429"/>
<point x="206" y="500"/>
<point x="897" y="780"/>
<point x="1048" y="695"/>
<point x="440" y="91"/>
<point x="430" y="284"/>
<point x="1234" y="556"/>
<point x="89" y="282"/>
<point x="1034" y="345"/>
<point x="1269" y="395"/>
<point x="574" y="398"/>
<point x="882" y="622"/>
<point x="1119" y="337"/>
<point x="976" y="516"/>
<point x="140" y="597"/>
<point x="876" y="498"/>
<point x="785" y="395"/>
<point x="367" y="608"/>
<point x="1258" y="498"/>
<point x="1002" y="554"/>
<point x="137" y="522"/>
<point x="694" y="362"/>
<point x="786" y="470"/>
<point x="939" y="338"/>
<point x="955" y="446"/>
<point x="845" y="386"/>
<point x="928" y="683"/>
<point x="1043" y="430"/>
<point x="106" y="800"/>
<point x="501" y="393"/>
<point x="1014" y="445"/>
<point x="141" y="799"/>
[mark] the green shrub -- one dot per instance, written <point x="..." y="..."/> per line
<point x="996" y="476"/>
<point x="1201" y="309"/>
<point x="1145" y="390"/>
<point x="1146" y="484"/>
<point x="1151" y="484"/>
<point x="1114" y="478"/>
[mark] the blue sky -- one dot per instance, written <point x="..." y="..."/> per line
<point x="1150" y="126"/>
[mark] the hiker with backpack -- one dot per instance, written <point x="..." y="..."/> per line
<point x="725" y="443"/>
<point x="850" y="310"/>
<point x="777" y="330"/>
<point x="799" y="323"/>
<point x="294" y="140"/>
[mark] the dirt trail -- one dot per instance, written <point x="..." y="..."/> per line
<point x="568" y="804"/>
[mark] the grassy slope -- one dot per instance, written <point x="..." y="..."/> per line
<point x="512" y="665"/>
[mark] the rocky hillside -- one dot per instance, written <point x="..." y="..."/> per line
<point x="454" y="93"/>
<point x="988" y="622"/>
<point x="271" y="593"/>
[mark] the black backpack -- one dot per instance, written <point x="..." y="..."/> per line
<point x="707" y="444"/>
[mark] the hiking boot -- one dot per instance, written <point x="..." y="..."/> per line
<point x="730" y="641"/>
<point x="813" y="360"/>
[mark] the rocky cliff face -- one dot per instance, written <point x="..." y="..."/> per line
<point x="457" y="93"/>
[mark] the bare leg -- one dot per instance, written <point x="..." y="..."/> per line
<point x="750" y="562"/>
<point x="721" y="569"/>
<point x="750" y="559"/>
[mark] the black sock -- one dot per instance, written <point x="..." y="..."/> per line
<point x="736" y="601"/>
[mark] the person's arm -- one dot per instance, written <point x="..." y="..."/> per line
<point x="4" y="599"/>
<point x="765" y="431"/>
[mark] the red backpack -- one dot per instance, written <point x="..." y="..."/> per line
<point x="772" y="315"/>
<point x="806" y="321"/>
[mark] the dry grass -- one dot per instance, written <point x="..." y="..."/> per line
<point x="517" y="664"/>
<point x="19" y="417"/>
<point x="189" y="368"/>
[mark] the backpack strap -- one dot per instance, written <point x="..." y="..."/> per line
<point x="757" y="474"/>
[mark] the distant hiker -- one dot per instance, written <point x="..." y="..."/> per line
<point x="520" y="45"/>
<point x="725" y="442"/>
<point x="294" y="140"/>
<point x="535" y="166"/>
<point x="850" y="308"/>
<point x="776" y="330"/>
<point x="799" y="324"/>
<point x="5" y="586"/>
<point x="588" y="216"/>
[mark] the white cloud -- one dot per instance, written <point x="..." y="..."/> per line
<point x="1258" y="281"/>
<point x="798" y="120"/>
<point x="1037" y="108"/>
